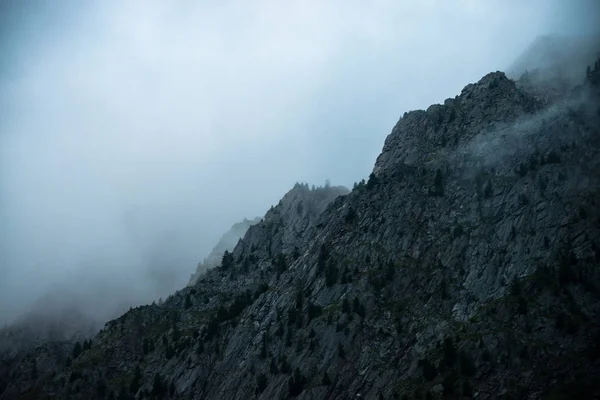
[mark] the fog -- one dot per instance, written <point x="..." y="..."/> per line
<point x="133" y="134"/>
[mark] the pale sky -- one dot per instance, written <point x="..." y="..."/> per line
<point x="133" y="134"/>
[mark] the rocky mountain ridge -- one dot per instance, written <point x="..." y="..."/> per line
<point x="465" y="267"/>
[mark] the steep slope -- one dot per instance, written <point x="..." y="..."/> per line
<point x="226" y="243"/>
<point x="467" y="266"/>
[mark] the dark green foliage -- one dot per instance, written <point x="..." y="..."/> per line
<point x="457" y="231"/>
<point x="279" y="332"/>
<point x="322" y="259"/>
<point x="101" y="388"/>
<point x="450" y="355"/>
<point x="288" y="337"/>
<point x="76" y="350"/>
<point x="331" y="273"/>
<point x="390" y="271"/>
<point x="326" y="381"/>
<point x="448" y="384"/>
<point x="358" y="308"/>
<point x="87" y="344"/>
<point x="350" y="215"/>
<point x="553" y="158"/>
<point x="284" y="366"/>
<point x="280" y="265"/>
<point x="34" y="370"/>
<point x="438" y="185"/>
<point x="292" y="315"/>
<point x="176" y="334"/>
<point x="467" y="366"/>
<point x="346" y="305"/>
<point x="245" y="268"/>
<point x="466" y="389"/>
<point x="75" y="375"/>
<point x="299" y="299"/>
<point x="300" y="345"/>
<point x="523" y="199"/>
<point x="222" y="314"/>
<point x="264" y="347"/>
<point x="522" y="171"/>
<point x="200" y="347"/>
<point x="522" y="305"/>
<point x="263" y="287"/>
<point x="515" y="287"/>
<point x="227" y="260"/>
<point x="346" y="277"/>
<point x="172" y="389"/>
<point x="188" y="301"/>
<point x="566" y="324"/>
<point x="123" y="394"/>
<point x="158" y="388"/>
<point x="296" y="383"/>
<point x="212" y="329"/>
<point x="261" y="384"/>
<point x="372" y="182"/>
<point x="239" y="304"/>
<point x="488" y="190"/>
<point x="145" y="346"/>
<point x="135" y="383"/>
<point x="169" y="352"/>
<point x="314" y="311"/>
<point x="486" y="356"/>
<point x="444" y="289"/>
<point x="429" y="370"/>
<point x="273" y="369"/>
<point x="341" y="352"/>
<point x="566" y="271"/>
<point x="296" y="253"/>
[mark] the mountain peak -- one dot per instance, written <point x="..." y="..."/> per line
<point x="419" y="135"/>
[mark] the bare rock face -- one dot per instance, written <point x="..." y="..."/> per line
<point x="465" y="267"/>
<point x="421" y="136"/>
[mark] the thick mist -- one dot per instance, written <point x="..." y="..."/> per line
<point x="133" y="134"/>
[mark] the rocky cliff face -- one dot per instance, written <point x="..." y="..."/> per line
<point x="466" y="267"/>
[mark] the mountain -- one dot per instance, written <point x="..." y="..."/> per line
<point x="226" y="243"/>
<point x="552" y="65"/>
<point x="465" y="267"/>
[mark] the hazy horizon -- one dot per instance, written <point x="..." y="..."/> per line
<point x="133" y="135"/>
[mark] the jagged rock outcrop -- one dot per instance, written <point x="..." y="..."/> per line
<point x="227" y="242"/>
<point x="465" y="267"/>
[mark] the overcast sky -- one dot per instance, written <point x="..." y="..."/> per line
<point x="134" y="133"/>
